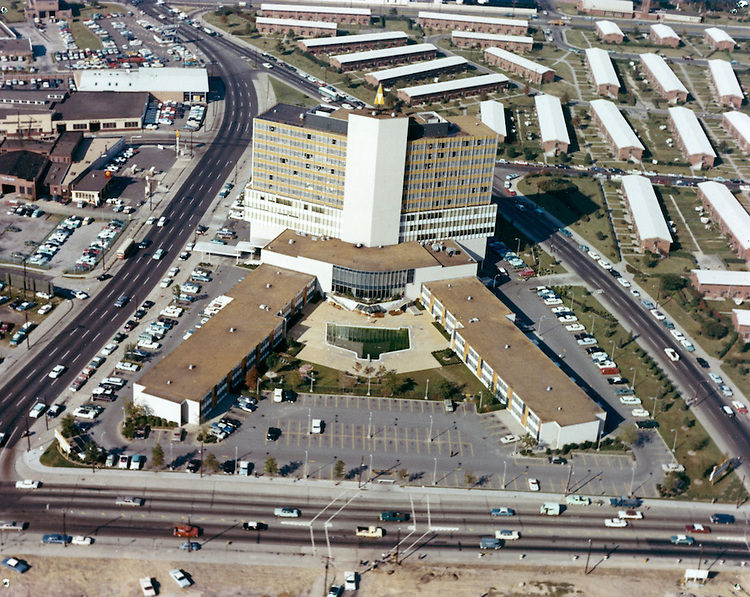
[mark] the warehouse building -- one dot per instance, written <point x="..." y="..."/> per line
<point x="442" y="21"/>
<point x="622" y="141"/>
<point x="729" y="214"/>
<point x="661" y="76"/>
<point x="47" y="10"/>
<point x="101" y="111"/>
<point x="472" y="39"/>
<point x="607" y="8"/>
<point x="548" y="404"/>
<point x="727" y="87"/>
<point x="518" y="65"/>
<point x="692" y="139"/>
<point x="353" y="43"/>
<point x="383" y="57"/>
<point x="336" y="14"/>
<point x="721" y="284"/>
<point x="15" y="54"/>
<point x="737" y="124"/>
<point x="609" y="32"/>
<point x="91" y="188"/>
<point x="664" y="35"/>
<point x="718" y="39"/>
<point x="492" y="114"/>
<point x="165" y="84"/>
<point x="741" y="323"/>
<point x="649" y="225"/>
<point x="269" y="26"/>
<point x="420" y="70"/>
<point x="191" y="384"/>
<point x="552" y="127"/>
<point x="22" y="172"/>
<point x="602" y="72"/>
<point x="449" y="90"/>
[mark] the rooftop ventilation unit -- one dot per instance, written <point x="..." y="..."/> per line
<point x="169" y="381"/>
<point x="549" y="388"/>
<point x="191" y="366"/>
<point x="474" y="320"/>
<point x="291" y="241"/>
<point x="469" y="298"/>
<point x="262" y="307"/>
<point x="232" y="330"/>
<point x="507" y="346"/>
<point x="268" y="285"/>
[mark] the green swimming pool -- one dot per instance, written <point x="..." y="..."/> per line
<point x="367" y="342"/>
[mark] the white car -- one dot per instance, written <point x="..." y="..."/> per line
<point x="625" y="284"/>
<point x="633" y="291"/>
<point x="509" y="439"/>
<point x="630" y="400"/>
<point x="109" y="349"/>
<point x="37" y="410"/>
<point x="28" y="484"/>
<point x="639" y="412"/>
<point x="560" y="310"/>
<point x="165" y="282"/>
<point x="316" y="426"/>
<point x="80" y="294"/>
<point x="81" y="540"/>
<point x="658" y="315"/>
<point x="533" y="484"/>
<point x="672" y="354"/>
<point x="586" y="341"/>
<point x="553" y="301"/>
<point x="179" y="577"/>
<point x="57" y="371"/>
<point x="631" y="514"/>
<point x="567" y="319"/>
<point x="605" y="264"/>
<point x="86" y="412"/>
<point x="726" y="391"/>
<point x="717" y="379"/>
<point x="125" y="366"/>
<point x="615" y="522"/>
<point x="575" y="327"/>
<point x="594" y="255"/>
<point x="44" y="309"/>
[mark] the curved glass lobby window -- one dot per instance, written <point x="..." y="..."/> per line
<point x="371" y="285"/>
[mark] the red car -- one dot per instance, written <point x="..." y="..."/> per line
<point x="186" y="530"/>
<point x="697" y="528"/>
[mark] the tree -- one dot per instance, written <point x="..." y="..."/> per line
<point x="715" y="329"/>
<point x="448" y="390"/>
<point x="157" y="456"/>
<point x="68" y="426"/>
<point x="92" y="452"/>
<point x="528" y="442"/>
<point x="211" y="463"/>
<point x="176" y="290"/>
<point x="251" y="378"/>
<point x="338" y="469"/>
<point x="272" y="360"/>
<point x="672" y="282"/>
<point x="271" y="467"/>
<point x="357" y="367"/>
<point x="391" y="383"/>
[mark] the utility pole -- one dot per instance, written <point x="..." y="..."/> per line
<point x="201" y="459"/>
<point x="65" y="532"/>
<point x="28" y="434"/>
<point x="588" y="555"/>
<point x="430" y="428"/>
<point x="570" y="474"/>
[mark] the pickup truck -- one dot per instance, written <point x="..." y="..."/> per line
<point x="369" y="531"/>
<point x="186" y="530"/>
<point x="391" y="516"/>
<point x="490" y="543"/>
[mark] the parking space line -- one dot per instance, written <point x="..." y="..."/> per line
<point x="450" y="445"/>
<point x="406" y="440"/>
<point x="416" y="438"/>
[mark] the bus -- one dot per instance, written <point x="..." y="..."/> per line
<point x="125" y="248"/>
<point x="329" y="94"/>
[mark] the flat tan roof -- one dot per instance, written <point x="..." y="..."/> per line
<point x="93" y="147"/>
<point x="525" y="368"/>
<point x="388" y="258"/>
<point x="213" y="350"/>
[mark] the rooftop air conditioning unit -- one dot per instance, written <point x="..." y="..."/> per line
<point x="268" y="285"/>
<point x="191" y="366"/>
<point x="262" y="307"/>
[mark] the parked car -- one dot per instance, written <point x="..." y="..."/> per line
<point x="19" y="566"/>
<point x="178" y="576"/>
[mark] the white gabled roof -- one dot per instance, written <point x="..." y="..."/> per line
<point x="551" y="119"/>
<point x="742" y="316"/>
<point x="617" y="127"/>
<point x="609" y="28"/>
<point x="644" y="206"/>
<point x="741" y="122"/>
<point x="427" y="66"/>
<point x="492" y="113"/>
<point x="316" y="9"/>
<point x="660" y="69"/>
<point x="664" y="31"/>
<point x="601" y="66"/>
<point x="442" y="16"/>
<point x="454" y="85"/>
<point x="694" y="138"/>
<point x="519" y="60"/>
<point x="722" y="277"/>
<point x="499" y="37"/>
<point x="145" y="79"/>
<point x="296" y="23"/>
<point x="383" y="53"/>
<point x="718" y="35"/>
<point x="353" y="39"/>
<point x="608" y="5"/>
<point x="729" y="210"/>
<point x="724" y="78"/>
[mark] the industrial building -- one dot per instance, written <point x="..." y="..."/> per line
<point x="336" y="14"/>
<point x="602" y="72"/>
<point x="442" y="21"/>
<point x="737" y="124"/>
<point x="372" y="178"/>
<point x="649" y="225"/>
<point x="609" y="32"/>
<point x="741" y="323"/>
<point x="523" y="67"/>
<point x="193" y="380"/>
<point x="692" y="139"/>
<point x="473" y="39"/>
<point x="552" y="128"/>
<point x="165" y="84"/>
<point x="449" y="90"/>
<point x="663" y="79"/>
<point x="15" y="54"/>
<point x="728" y="90"/>
<point x="623" y="142"/>
<point x="721" y="284"/>
<point x="718" y="39"/>
<point x="419" y="70"/>
<point x="538" y="394"/>
<point x="353" y="43"/>
<point x="664" y="35"/>
<point x="269" y="26"/>
<point x="492" y="113"/>
<point x="606" y="8"/>
<point x="729" y="214"/>
<point x="383" y="57"/>
<point x="47" y="10"/>
<point x="369" y="273"/>
<point x="91" y="188"/>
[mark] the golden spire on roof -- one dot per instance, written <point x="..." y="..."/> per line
<point x="379" y="100"/>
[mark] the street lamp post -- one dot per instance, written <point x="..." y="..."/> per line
<point x="427" y="388"/>
<point x="674" y="443"/>
<point x="505" y="470"/>
<point x="369" y="425"/>
<point x="305" y="464"/>
<point x="632" y="480"/>
<point x="430" y="435"/>
<point x="613" y="350"/>
<point x="312" y="381"/>
<point x="518" y="246"/>
<point x="434" y="473"/>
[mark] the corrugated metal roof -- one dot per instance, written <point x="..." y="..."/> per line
<point x="615" y="123"/>
<point x="664" y="31"/>
<point x="519" y="60"/>
<point x="723" y="277"/>
<point x="353" y="39"/>
<point x="724" y="78"/>
<point x="609" y="28"/>
<point x="295" y="23"/>
<point x="316" y="9"/>
<point x="729" y="210"/>
<point x="383" y="53"/>
<point x="454" y="85"/>
<point x="741" y="122"/>
<point x="719" y="35"/>
<point x="644" y="206"/>
<point x="492" y="114"/>
<point x="520" y="39"/>
<point x="145" y="79"/>
<point x="407" y="70"/>
<point x="660" y="69"/>
<point x="691" y="132"/>
<point x="601" y="66"/>
<point x="423" y="14"/>
<point x="551" y="119"/>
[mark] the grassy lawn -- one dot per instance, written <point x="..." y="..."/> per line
<point x="52" y="457"/>
<point x="83" y="36"/>
<point x="15" y="12"/>
<point x="289" y="95"/>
